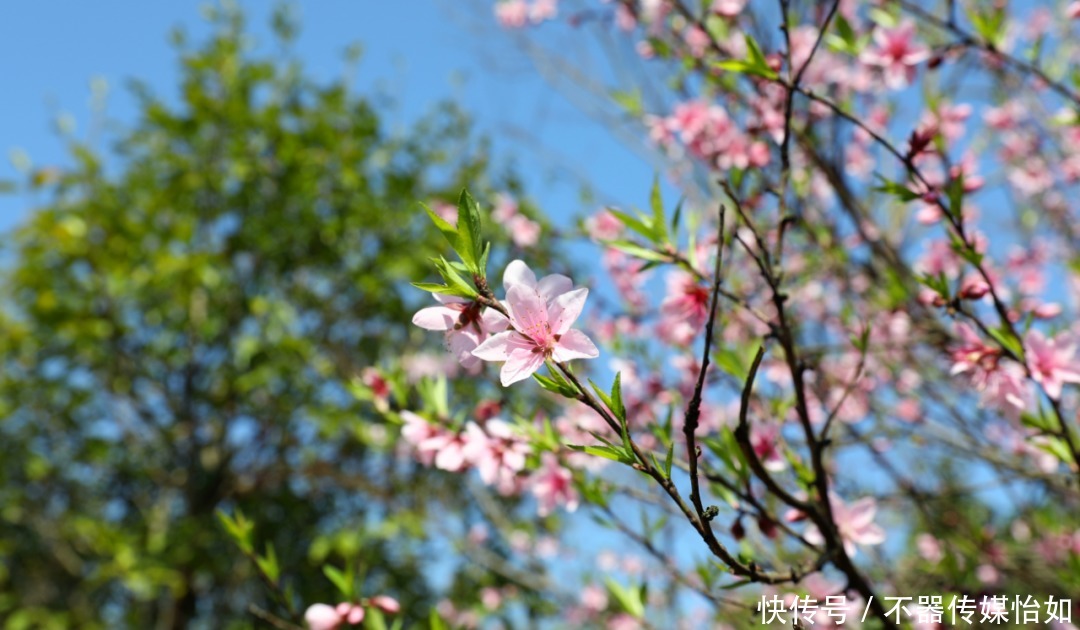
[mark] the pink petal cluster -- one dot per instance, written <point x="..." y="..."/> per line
<point x="896" y="53"/>
<point x="493" y="448"/>
<point x="553" y="486"/>
<point x="855" y="522"/>
<point x="326" y="617"/>
<point x="728" y="8"/>
<point x="1052" y="361"/>
<point x="523" y="231"/>
<point x="711" y="135"/>
<point x="541" y="313"/>
<point x="1002" y="384"/>
<point x="497" y="453"/>
<point x="684" y="309"/>
<point x="518" y="13"/>
<point x="467" y="325"/>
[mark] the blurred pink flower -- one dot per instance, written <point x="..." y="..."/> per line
<point x="855" y="523"/>
<point x="322" y="617"/>
<point x="684" y="310"/>
<point x="728" y="8"/>
<point x="552" y="485"/>
<point x="512" y="13"/>
<point x="896" y="53"/>
<point x="1052" y="361"/>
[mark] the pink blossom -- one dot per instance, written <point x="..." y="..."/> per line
<point x="855" y="523"/>
<point x="466" y="323"/>
<point x="728" y="8"/>
<point x="765" y="440"/>
<point x="374" y="381"/>
<point x="512" y="13"/>
<point x="322" y="617"/>
<point x="447" y="449"/>
<point x="624" y="18"/>
<point x="416" y="431"/>
<point x="929" y="548"/>
<point x="542" y="10"/>
<point x="549" y="287"/>
<point x="552" y="485"/>
<point x="603" y="226"/>
<point x="1006" y="388"/>
<point x="541" y="331"/>
<point x="386" y="604"/>
<point x="505" y="208"/>
<point x="950" y="119"/>
<point x="697" y="40"/>
<point x="896" y="52"/>
<point x="350" y="612"/>
<point x="1052" y="361"/>
<point x="523" y="231"/>
<point x="594" y="598"/>
<point x="684" y="310"/>
<point x="1072" y="11"/>
<point x="497" y="453"/>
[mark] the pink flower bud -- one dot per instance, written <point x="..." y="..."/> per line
<point x="356" y="615"/>
<point x="321" y="617"/>
<point x="386" y="604"/>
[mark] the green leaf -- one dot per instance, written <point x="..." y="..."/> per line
<point x="448" y="231"/>
<point x="454" y="280"/>
<point x="342" y="580"/>
<point x="629" y="101"/>
<point x="955" y="192"/>
<point x="898" y="190"/>
<point x="616" y="398"/>
<point x="436" y="622"/>
<point x="602" y="394"/>
<point x="656" y="202"/>
<point x="756" y="58"/>
<point x="607" y="452"/>
<point x="668" y="460"/>
<point x="556" y="384"/>
<point x="374" y="619"/>
<point x="639" y="225"/>
<point x="628" y="598"/>
<point x="677" y="215"/>
<point x="443" y="289"/>
<point x="637" y="251"/>
<point x="883" y="18"/>
<point x="470" y="246"/>
<point x="238" y="528"/>
<point x="268" y="564"/>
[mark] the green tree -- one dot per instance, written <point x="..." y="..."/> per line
<point x="183" y="319"/>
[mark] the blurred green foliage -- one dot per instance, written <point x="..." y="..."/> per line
<point x="181" y="323"/>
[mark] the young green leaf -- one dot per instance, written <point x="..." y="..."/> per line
<point x="470" y="245"/>
<point x="343" y="580"/>
<point x="656" y="202"/>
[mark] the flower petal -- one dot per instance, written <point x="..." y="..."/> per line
<point x="564" y="311"/>
<point x="493" y="321"/>
<point x="436" y="318"/>
<point x="461" y="344"/>
<point x="860" y="514"/>
<point x="521" y="365"/>
<point x="528" y="313"/>
<point x="517" y="272"/>
<point x="551" y="287"/>
<point x="574" y="345"/>
<point x="500" y="346"/>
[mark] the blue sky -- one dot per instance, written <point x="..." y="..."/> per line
<point x="417" y="52"/>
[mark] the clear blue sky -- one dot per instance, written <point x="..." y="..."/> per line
<point x="417" y="51"/>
